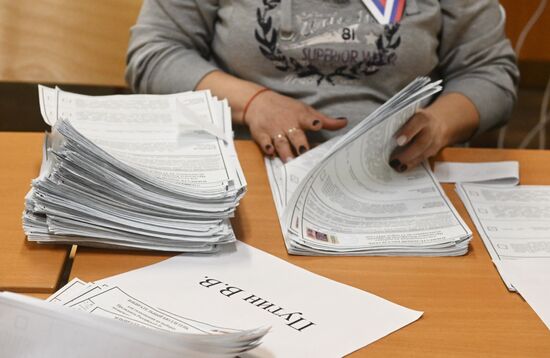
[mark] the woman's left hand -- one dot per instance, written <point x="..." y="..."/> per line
<point x="451" y="119"/>
<point x="422" y="137"/>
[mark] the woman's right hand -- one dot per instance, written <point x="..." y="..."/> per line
<point x="278" y="124"/>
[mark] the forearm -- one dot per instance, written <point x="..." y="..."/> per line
<point x="170" y="37"/>
<point x="238" y="92"/>
<point x="458" y="115"/>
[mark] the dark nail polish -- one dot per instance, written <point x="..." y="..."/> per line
<point x="402" y="168"/>
<point x="342" y="118"/>
<point x="268" y="147"/>
<point x="302" y="149"/>
<point x="316" y="122"/>
<point x="395" y="163"/>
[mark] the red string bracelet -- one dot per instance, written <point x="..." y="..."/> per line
<point x="250" y="101"/>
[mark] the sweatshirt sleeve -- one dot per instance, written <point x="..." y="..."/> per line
<point x="477" y="60"/>
<point x="169" y="49"/>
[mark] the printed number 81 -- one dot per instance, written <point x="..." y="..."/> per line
<point x="348" y="34"/>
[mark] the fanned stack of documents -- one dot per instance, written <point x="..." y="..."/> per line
<point x="33" y="328"/>
<point x="137" y="171"/>
<point x="343" y="198"/>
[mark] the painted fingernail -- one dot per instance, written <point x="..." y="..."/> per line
<point x="316" y="122"/>
<point x="342" y="118"/>
<point x="268" y="147"/>
<point x="302" y="149"/>
<point x="395" y="163"/>
<point x="402" y="168"/>
<point x="401" y="140"/>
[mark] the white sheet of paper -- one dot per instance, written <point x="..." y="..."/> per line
<point x="531" y="278"/>
<point x="310" y="316"/>
<point x="505" y="173"/>
<point x="64" y="294"/>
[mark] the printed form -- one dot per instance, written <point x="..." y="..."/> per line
<point x="343" y="198"/>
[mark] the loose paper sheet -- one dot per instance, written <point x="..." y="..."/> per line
<point x="513" y="222"/>
<point x="310" y="316"/>
<point x="531" y="278"/>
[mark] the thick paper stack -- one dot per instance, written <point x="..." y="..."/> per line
<point x="33" y="328"/>
<point x="137" y="171"/>
<point x="343" y="198"/>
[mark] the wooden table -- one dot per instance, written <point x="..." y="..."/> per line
<point x="24" y="267"/>
<point x="468" y="310"/>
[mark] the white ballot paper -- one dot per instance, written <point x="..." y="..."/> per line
<point x="33" y="328"/>
<point x="153" y="172"/>
<point x="504" y="173"/>
<point x="513" y="222"/>
<point x="309" y="315"/>
<point x="343" y="198"/>
<point x="531" y="278"/>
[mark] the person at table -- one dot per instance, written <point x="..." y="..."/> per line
<point x="311" y="69"/>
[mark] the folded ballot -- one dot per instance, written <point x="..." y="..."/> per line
<point x="343" y="198"/>
<point x="153" y="172"/>
<point x="33" y="328"/>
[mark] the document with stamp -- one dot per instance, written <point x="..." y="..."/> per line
<point x="343" y="198"/>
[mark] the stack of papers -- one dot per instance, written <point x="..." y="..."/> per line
<point x="343" y="198"/>
<point x="514" y="224"/>
<point x="153" y="172"/>
<point x="33" y="328"/>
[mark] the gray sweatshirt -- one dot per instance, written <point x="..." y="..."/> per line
<point x="331" y="54"/>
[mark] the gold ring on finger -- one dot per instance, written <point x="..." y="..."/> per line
<point x="291" y="130"/>
<point x="279" y="136"/>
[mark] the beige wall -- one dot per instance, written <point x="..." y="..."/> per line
<point x="65" y="41"/>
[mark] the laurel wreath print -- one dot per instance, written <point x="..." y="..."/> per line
<point x="268" y="37"/>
